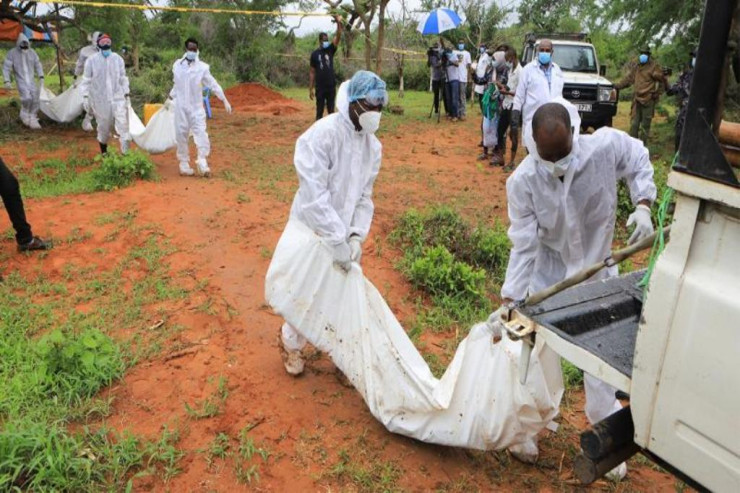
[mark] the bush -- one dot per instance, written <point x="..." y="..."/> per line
<point x="458" y="266"/>
<point x="119" y="170"/>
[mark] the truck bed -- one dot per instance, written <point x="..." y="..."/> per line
<point x="600" y="318"/>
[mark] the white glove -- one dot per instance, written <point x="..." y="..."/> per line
<point x="643" y="222"/>
<point x="227" y="105"/>
<point x="496" y="324"/>
<point x="8" y="85"/>
<point x="168" y="104"/>
<point x="41" y="84"/>
<point x="86" y="104"/>
<point x="342" y="256"/>
<point x="355" y="248"/>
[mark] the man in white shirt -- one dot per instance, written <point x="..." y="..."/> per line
<point x="465" y="61"/>
<point x="540" y="82"/>
<point x="452" y="93"/>
<point x="484" y="61"/>
<point x="515" y="70"/>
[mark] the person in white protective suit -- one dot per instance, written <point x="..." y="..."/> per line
<point x="85" y="53"/>
<point x="105" y="93"/>
<point x="190" y="77"/>
<point x="562" y="202"/>
<point x="337" y="161"/>
<point x="24" y="63"/>
<point x="540" y="82"/>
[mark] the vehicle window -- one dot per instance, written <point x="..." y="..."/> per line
<point x="575" y="58"/>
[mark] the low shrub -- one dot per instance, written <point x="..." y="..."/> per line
<point x="119" y="170"/>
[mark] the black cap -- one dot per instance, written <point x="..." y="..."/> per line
<point x="645" y="50"/>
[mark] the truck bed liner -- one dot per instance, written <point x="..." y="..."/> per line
<point x="601" y="317"/>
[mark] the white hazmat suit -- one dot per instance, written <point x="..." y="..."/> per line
<point x="190" y="78"/>
<point x="534" y="90"/>
<point x="560" y="226"/>
<point x="337" y="167"/>
<point x="24" y="65"/>
<point x="106" y="86"/>
<point x="85" y="53"/>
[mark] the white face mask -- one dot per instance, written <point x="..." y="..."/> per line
<point x="559" y="167"/>
<point x="370" y="121"/>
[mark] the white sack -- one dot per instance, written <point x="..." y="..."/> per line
<point x="159" y="134"/>
<point x="478" y="403"/>
<point x="64" y="108"/>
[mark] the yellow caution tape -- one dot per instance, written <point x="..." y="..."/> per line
<point x="170" y="8"/>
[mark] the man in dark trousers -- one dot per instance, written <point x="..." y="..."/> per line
<point x="322" y="78"/>
<point x="11" y="195"/>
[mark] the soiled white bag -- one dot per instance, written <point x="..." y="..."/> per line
<point x="478" y="403"/>
<point x="64" y="108"/>
<point x="159" y="134"/>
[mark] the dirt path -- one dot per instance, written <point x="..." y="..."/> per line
<point x="319" y="434"/>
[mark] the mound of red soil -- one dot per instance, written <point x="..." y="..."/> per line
<point x="257" y="98"/>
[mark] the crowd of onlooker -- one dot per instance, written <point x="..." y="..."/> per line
<point x="491" y="80"/>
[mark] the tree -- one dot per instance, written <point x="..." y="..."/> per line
<point x="544" y="15"/>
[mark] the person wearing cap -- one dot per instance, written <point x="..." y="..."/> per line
<point x="24" y="63"/>
<point x="681" y="89"/>
<point x="191" y="76"/>
<point x="649" y="82"/>
<point x="337" y="161"/>
<point x="105" y="93"/>
<point x="85" y="53"/>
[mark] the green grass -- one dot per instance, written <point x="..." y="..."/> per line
<point x="54" y="359"/>
<point x="211" y="405"/>
<point x="56" y="177"/>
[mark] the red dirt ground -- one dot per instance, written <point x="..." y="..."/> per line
<point x="257" y="98"/>
<point x="224" y="230"/>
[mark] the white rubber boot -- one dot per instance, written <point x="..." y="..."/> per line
<point x="125" y="146"/>
<point x="87" y="123"/>
<point x="185" y="169"/>
<point x="526" y="452"/>
<point x="203" y="168"/>
<point x="618" y="473"/>
<point x="292" y="359"/>
<point x="33" y="122"/>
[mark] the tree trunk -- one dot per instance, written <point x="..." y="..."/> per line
<point x="368" y="46"/>
<point x="381" y="37"/>
<point x="400" y="76"/>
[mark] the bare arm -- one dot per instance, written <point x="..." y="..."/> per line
<point x="311" y="79"/>
<point x="338" y="34"/>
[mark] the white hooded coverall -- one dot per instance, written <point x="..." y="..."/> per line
<point x="190" y="78"/>
<point x="534" y="90"/>
<point x="85" y="53"/>
<point x="337" y="167"/>
<point x="106" y="86"/>
<point x="24" y="64"/>
<point x="560" y="227"/>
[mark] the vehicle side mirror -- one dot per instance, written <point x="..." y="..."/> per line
<point x="602" y="70"/>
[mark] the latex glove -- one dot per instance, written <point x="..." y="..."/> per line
<point x="355" y="247"/>
<point x="41" y="83"/>
<point x="168" y="104"/>
<point x="8" y="85"/>
<point x="228" y="107"/>
<point x="342" y="256"/>
<point x="495" y="323"/>
<point x="86" y="104"/>
<point x="643" y="223"/>
<point x="515" y="118"/>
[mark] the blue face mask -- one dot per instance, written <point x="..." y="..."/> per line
<point x="191" y="55"/>
<point x="325" y="45"/>
<point x="544" y="57"/>
<point x="461" y="46"/>
<point x="643" y="59"/>
<point x="106" y="53"/>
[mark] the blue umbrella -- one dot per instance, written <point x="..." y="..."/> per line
<point x="438" y="21"/>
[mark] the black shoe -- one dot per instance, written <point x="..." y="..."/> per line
<point x="103" y="148"/>
<point x="36" y="243"/>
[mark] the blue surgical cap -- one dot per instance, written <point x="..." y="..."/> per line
<point x="368" y="86"/>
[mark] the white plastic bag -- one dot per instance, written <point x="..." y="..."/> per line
<point x="478" y="403"/>
<point x="159" y="134"/>
<point x="64" y="108"/>
<point x="490" y="132"/>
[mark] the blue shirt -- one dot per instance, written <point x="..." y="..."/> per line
<point x="547" y="69"/>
